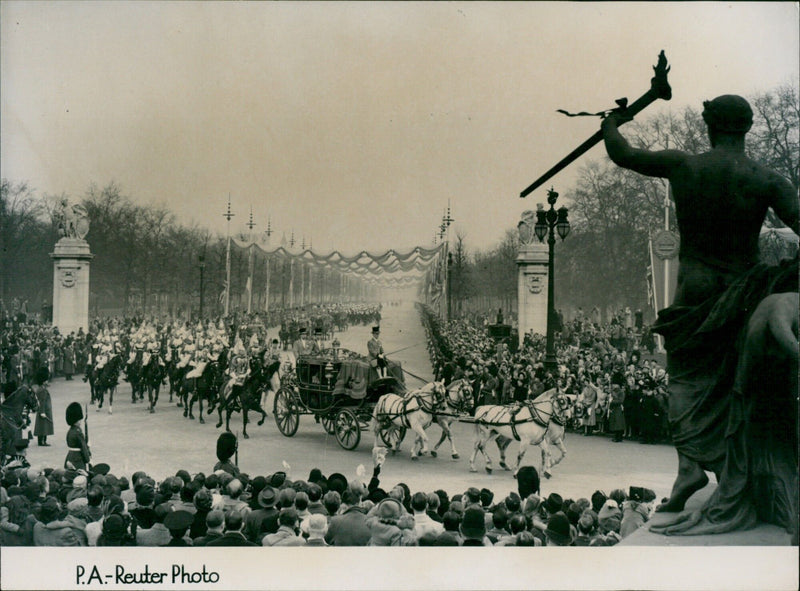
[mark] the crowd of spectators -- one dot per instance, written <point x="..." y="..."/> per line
<point x="227" y="507"/>
<point x="618" y="387"/>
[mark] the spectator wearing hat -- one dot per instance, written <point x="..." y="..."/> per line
<point x="552" y="505"/>
<point x="233" y="536"/>
<point x="78" y="454"/>
<point x="390" y="525"/>
<point x="215" y="525"/>
<point x="423" y="524"/>
<point x="559" y="531"/>
<point x="349" y="527"/>
<point x="91" y="505"/>
<point x="263" y="519"/>
<point x="115" y="533"/>
<point x="51" y="530"/>
<point x="598" y="500"/>
<point x="44" y="411"/>
<point x="158" y="534"/>
<point x="143" y="512"/>
<point x="178" y="523"/>
<point x="203" y="504"/>
<point x="257" y="484"/>
<point x="473" y="527"/>
<point x="288" y="533"/>
<point x="616" y="414"/>
<point x="113" y="505"/>
<point x="317" y="528"/>
<point x="226" y="449"/>
<point x="78" y="489"/>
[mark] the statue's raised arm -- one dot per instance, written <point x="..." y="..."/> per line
<point x="729" y="412"/>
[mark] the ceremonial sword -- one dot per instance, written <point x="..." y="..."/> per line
<point x="659" y="89"/>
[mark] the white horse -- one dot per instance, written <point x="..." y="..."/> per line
<point x="415" y="410"/>
<point x="528" y="423"/>
<point x="458" y="402"/>
<point x="554" y="437"/>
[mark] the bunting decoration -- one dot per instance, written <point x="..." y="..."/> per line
<point x="370" y="267"/>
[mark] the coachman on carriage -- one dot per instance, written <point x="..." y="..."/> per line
<point x="339" y="388"/>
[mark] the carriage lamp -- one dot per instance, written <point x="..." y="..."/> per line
<point x="336" y="345"/>
<point x="328" y="371"/>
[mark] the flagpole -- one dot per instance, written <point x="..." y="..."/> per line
<point x="250" y="225"/>
<point x="228" y="215"/>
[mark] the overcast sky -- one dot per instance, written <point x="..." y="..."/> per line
<point x="351" y="123"/>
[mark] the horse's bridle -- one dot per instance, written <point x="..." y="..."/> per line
<point x="463" y="405"/>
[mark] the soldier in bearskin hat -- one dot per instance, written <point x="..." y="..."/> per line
<point x="226" y="448"/>
<point x="78" y="454"/>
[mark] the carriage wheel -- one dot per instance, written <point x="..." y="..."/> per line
<point x="391" y="435"/>
<point x="329" y="423"/>
<point x="286" y="416"/>
<point x="348" y="431"/>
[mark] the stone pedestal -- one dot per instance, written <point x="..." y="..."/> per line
<point x="532" y="289"/>
<point x="71" y="260"/>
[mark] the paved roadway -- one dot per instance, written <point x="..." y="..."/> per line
<point x="132" y="439"/>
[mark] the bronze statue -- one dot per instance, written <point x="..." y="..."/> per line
<point x="727" y="412"/>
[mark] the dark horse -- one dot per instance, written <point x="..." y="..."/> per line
<point x="175" y="374"/>
<point x="152" y="376"/>
<point x="246" y="397"/>
<point x="106" y="379"/>
<point x="206" y="387"/>
<point x="14" y="418"/>
<point x="133" y="374"/>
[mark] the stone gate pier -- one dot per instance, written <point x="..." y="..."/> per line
<point x="71" y="261"/>
<point x="532" y="260"/>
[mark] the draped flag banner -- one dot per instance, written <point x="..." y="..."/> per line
<point x="390" y="268"/>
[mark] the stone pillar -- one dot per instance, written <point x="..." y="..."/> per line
<point x="71" y="260"/>
<point x="532" y="289"/>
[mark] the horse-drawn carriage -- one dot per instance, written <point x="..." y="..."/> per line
<point x="339" y="388"/>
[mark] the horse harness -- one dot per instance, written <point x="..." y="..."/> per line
<point x="421" y="404"/>
<point x="537" y="416"/>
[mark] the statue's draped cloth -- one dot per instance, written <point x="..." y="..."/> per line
<point x="743" y="425"/>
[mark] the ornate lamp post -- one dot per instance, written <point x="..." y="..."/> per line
<point x="546" y="222"/>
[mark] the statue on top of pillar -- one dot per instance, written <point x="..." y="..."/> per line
<point x="72" y="220"/>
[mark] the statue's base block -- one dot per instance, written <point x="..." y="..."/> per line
<point x="71" y="259"/>
<point x="764" y="534"/>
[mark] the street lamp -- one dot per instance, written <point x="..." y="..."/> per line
<point x="546" y="222"/>
<point x="202" y="260"/>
